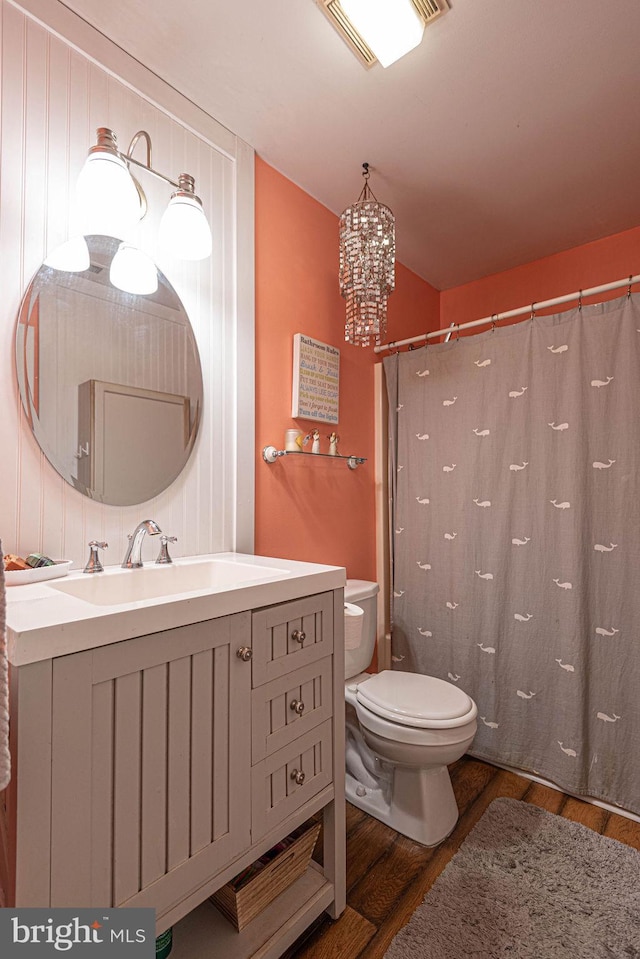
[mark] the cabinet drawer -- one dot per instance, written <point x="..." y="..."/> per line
<point x="277" y="790"/>
<point x="291" y="635"/>
<point x="290" y="706"/>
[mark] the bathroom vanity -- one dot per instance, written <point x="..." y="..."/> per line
<point x="168" y="726"/>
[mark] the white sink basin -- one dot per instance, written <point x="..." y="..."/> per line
<point x="117" y="586"/>
<point x="81" y="612"/>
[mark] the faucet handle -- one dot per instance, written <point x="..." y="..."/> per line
<point x="93" y="563"/>
<point x="163" y="555"/>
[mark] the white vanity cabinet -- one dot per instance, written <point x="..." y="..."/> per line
<point x="148" y="772"/>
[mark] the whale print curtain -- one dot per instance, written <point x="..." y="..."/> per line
<point x="515" y="472"/>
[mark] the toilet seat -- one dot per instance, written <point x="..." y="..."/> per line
<point x="414" y="700"/>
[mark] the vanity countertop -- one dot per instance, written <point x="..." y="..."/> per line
<point x="51" y="619"/>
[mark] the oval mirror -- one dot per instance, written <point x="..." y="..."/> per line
<point x="110" y="381"/>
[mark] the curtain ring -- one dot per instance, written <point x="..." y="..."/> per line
<point x="494" y="320"/>
<point x="580" y="301"/>
<point x="411" y="347"/>
<point x="457" y="332"/>
<point x="533" y="312"/>
<point x="629" y="287"/>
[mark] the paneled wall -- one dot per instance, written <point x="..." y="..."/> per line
<point x="60" y="81"/>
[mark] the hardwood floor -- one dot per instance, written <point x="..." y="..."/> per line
<point x="388" y="875"/>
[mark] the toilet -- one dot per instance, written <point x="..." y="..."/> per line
<point x="403" y="729"/>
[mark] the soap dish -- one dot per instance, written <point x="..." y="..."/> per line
<point x="20" y="577"/>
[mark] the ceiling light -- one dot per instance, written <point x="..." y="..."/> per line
<point x="367" y="265"/>
<point x="110" y="201"/>
<point x="375" y="29"/>
<point x="391" y="28"/>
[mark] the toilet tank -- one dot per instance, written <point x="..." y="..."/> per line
<point x="362" y="593"/>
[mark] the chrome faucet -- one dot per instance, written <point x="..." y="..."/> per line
<point x="163" y="556"/>
<point x="133" y="557"/>
<point x="93" y="563"/>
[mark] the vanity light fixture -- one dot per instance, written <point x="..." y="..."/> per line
<point x="367" y="265"/>
<point x="111" y="201"/>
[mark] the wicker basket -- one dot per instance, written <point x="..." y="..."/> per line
<point x="244" y="897"/>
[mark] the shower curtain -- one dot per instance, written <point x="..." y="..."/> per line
<point x="515" y="478"/>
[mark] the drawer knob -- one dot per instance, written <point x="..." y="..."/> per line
<point x="299" y="636"/>
<point x="244" y="653"/>
<point x="297" y="706"/>
<point x="298" y="776"/>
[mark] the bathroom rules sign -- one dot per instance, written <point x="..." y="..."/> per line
<point x="316" y="380"/>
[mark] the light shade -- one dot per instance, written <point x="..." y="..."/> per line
<point x="71" y="257"/>
<point x="132" y="271"/>
<point x="390" y="28"/>
<point x="184" y="230"/>
<point x="106" y="197"/>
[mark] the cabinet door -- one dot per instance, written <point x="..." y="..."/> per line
<point x="151" y="757"/>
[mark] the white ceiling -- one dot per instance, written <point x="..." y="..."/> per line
<point x="510" y="133"/>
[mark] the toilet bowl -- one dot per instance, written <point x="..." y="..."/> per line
<point x="403" y="729"/>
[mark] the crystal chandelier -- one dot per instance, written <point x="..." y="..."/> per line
<point x="367" y="265"/>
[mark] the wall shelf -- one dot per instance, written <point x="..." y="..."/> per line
<point x="270" y="454"/>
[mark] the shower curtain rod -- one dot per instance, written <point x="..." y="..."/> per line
<point x="495" y="317"/>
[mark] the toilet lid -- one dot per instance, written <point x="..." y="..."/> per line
<point x="412" y="699"/>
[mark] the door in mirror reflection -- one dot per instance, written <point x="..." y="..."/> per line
<point x="129" y="440"/>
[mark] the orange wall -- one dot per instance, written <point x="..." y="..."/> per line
<point x="413" y="308"/>
<point x="316" y="511"/>
<point x="321" y="511"/>
<point x="592" y="264"/>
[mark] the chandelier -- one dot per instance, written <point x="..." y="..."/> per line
<point x="367" y="265"/>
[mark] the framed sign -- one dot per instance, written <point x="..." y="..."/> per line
<point x="316" y="380"/>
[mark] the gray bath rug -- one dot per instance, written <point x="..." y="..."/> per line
<point x="527" y="884"/>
